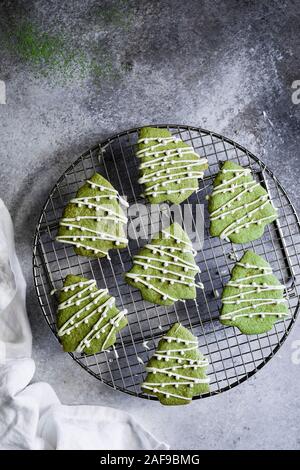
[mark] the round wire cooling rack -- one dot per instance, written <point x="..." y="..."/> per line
<point x="233" y="357"/>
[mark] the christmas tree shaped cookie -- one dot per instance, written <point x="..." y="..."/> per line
<point x="164" y="270"/>
<point x="177" y="370"/>
<point x="253" y="298"/>
<point x="169" y="167"/>
<point x="93" y="221"/>
<point x="87" y="319"/>
<point x="239" y="206"/>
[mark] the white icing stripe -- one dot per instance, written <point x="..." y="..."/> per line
<point x="258" y="289"/>
<point x="231" y="180"/>
<point x="150" y="286"/>
<point x="190" y="379"/>
<point x="263" y="287"/>
<point x="178" y="359"/>
<point x="155" y="249"/>
<point x="238" y="208"/>
<point x="146" y="177"/>
<point x="254" y="306"/>
<point x="168" y="394"/>
<point x="161" y="140"/>
<point x="101" y="235"/>
<point x="164" y="271"/>
<point x="237" y="302"/>
<point x="155" y="186"/>
<point x="200" y="365"/>
<point x="98" y="218"/>
<point x="162" y="162"/>
<point x="195" y="268"/>
<point x="154" y="150"/>
<point x="253" y="266"/>
<point x="166" y="384"/>
<point x="171" y="191"/>
<point x="236" y="186"/>
<point x="86" y="247"/>
<point x="231" y="316"/>
<point x="238" y="197"/>
<point x="179" y="340"/>
<point x="169" y="351"/>
<point x="148" y="277"/>
<point x="172" y="249"/>
<point x="169" y="178"/>
<point x="168" y="153"/>
<point x="242" y="172"/>
<point x="98" y="207"/>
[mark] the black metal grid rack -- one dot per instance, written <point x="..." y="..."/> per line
<point x="233" y="357"/>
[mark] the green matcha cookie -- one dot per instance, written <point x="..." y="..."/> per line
<point x="164" y="270"/>
<point x="93" y="221"/>
<point x="169" y="168"/>
<point x="253" y="298"/>
<point x="87" y="319"/>
<point x="239" y="207"/>
<point x="177" y="370"/>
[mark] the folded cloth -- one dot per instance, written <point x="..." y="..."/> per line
<point x="31" y="415"/>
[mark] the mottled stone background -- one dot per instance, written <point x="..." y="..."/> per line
<point x="77" y="71"/>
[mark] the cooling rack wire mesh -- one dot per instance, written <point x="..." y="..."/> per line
<point x="233" y="356"/>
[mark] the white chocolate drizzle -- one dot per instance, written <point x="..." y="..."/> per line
<point x="93" y="305"/>
<point x="176" y="372"/>
<point x="247" y="287"/>
<point x="243" y="222"/>
<point x="93" y="202"/>
<point x="160" y="157"/>
<point x="169" y="256"/>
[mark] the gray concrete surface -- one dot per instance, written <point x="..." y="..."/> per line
<point x="224" y="65"/>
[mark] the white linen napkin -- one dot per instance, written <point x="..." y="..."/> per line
<point x="31" y="415"/>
